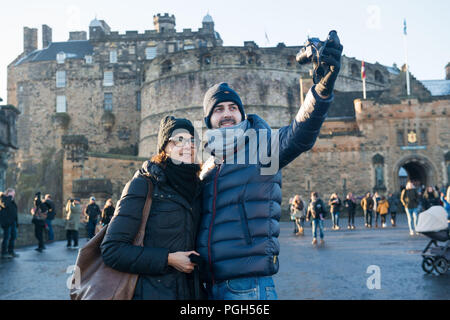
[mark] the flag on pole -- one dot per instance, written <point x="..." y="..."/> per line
<point x="405" y="33"/>
<point x="363" y="76"/>
<point x="363" y="70"/>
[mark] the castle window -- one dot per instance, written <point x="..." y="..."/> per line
<point x="113" y="56"/>
<point x="355" y="72"/>
<point x="170" y="48"/>
<point x="61" y="105"/>
<point x="378" y="164"/>
<point x="400" y="138"/>
<point x="423" y="137"/>
<point x="138" y="101"/>
<point x="166" y="67"/>
<point x="108" y="78"/>
<point x="108" y="101"/>
<point x="379" y="77"/>
<point x="88" y="59"/>
<point x="132" y="50"/>
<point x="60" y="79"/>
<point x="150" y="53"/>
<point x="60" y="57"/>
<point x="206" y="59"/>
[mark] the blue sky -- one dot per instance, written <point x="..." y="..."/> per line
<point x="370" y="30"/>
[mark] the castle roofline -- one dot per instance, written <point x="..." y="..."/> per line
<point x="437" y="87"/>
<point x="74" y="49"/>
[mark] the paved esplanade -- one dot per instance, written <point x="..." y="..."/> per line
<point x="337" y="271"/>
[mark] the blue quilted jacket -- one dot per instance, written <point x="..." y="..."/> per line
<point x="238" y="235"/>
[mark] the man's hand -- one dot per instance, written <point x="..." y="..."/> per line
<point x="331" y="61"/>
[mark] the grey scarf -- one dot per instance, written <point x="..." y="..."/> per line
<point x="224" y="143"/>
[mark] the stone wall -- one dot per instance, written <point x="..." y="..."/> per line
<point x="114" y="168"/>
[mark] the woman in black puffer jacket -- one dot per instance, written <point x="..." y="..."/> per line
<point x="163" y="264"/>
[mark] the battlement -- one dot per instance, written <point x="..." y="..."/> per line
<point x="164" y="23"/>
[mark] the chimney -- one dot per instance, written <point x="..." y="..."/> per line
<point x="46" y="36"/>
<point x="77" y="35"/>
<point x="30" y="36"/>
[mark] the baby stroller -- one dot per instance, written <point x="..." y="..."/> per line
<point x="433" y="223"/>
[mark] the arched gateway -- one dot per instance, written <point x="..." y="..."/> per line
<point x="419" y="169"/>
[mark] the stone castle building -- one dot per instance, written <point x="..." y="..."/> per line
<point x="90" y="110"/>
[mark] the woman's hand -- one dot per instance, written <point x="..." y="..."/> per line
<point x="180" y="261"/>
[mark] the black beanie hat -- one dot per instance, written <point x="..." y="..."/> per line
<point x="218" y="93"/>
<point x="167" y="126"/>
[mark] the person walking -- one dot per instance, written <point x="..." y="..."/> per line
<point x="164" y="263"/>
<point x="410" y="200"/>
<point x="350" y="205"/>
<point x="39" y="213"/>
<point x="299" y="209"/>
<point x="367" y="205"/>
<point x="93" y="213"/>
<point x="108" y="212"/>
<point x="316" y="213"/>
<point x="9" y="223"/>
<point x="73" y="217"/>
<point x="50" y="216"/>
<point x="376" y="200"/>
<point x="291" y="214"/>
<point x="335" y="210"/>
<point x="394" y="205"/>
<point x="383" y="209"/>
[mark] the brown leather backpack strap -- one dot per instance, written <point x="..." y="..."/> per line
<point x="139" y="240"/>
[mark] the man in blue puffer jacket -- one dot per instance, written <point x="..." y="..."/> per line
<point x="238" y="235"/>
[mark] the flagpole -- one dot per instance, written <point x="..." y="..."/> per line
<point x="408" y="86"/>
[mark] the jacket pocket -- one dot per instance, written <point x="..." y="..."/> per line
<point x="244" y="224"/>
<point x="167" y="215"/>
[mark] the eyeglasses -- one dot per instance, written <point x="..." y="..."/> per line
<point x="182" y="141"/>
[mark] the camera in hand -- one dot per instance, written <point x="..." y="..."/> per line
<point x="312" y="53"/>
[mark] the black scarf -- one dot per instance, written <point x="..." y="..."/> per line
<point x="183" y="178"/>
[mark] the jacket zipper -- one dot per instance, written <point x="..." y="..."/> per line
<point x="212" y="222"/>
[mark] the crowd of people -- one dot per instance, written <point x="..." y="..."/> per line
<point x="376" y="208"/>
<point x="43" y="213"/>
<point x="91" y="216"/>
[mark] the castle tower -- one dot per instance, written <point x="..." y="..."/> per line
<point x="98" y="29"/>
<point x="447" y="71"/>
<point x="164" y="23"/>
<point x="208" y="23"/>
